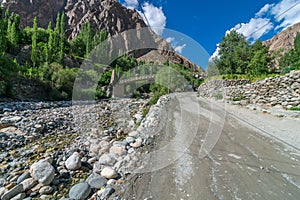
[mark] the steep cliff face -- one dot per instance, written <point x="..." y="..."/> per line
<point x="107" y="15"/>
<point x="45" y="10"/>
<point x="285" y="39"/>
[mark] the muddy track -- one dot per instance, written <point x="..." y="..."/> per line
<point x="245" y="163"/>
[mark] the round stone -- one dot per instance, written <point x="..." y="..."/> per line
<point x="109" y="173"/>
<point x="74" y="161"/>
<point x="80" y="191"/>
<point x="43" y="172"/>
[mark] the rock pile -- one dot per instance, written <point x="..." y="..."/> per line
<point x="71" y="162"/>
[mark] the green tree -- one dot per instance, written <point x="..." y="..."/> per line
<point x="88" y="38"/>
<point x="212" y="69"/>
<point x="62" y="38"/>
<point x="291" y="59"/>
<point x="12" y="34"/>
<point x="234" y="54"/>
<point x="297" y="43"/>
<point x="260" y="59"/>
<point x="3" y="40"/>
<point x="34" y="51"/>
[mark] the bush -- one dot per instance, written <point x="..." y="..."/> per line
<point x="60" y="79"/>
<point x="100" y="94"/>
<point x="145" y="111"/>
<point x="238" y="97"/>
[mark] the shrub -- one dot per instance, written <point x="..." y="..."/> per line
<point x="239" y="97"/>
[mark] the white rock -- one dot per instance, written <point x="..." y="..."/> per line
<point x="107" y="159"/>
<point x="133" y="133"/>
<point x="117" y="150"/>
<point x="137" y="143"/>
<point x="109" y="173"/>
<point x="73" y="162"/>
<point x="43" y="172"/>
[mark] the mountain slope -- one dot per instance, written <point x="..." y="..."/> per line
<point x="107" y="15"/>
<point x="285" y="39"/>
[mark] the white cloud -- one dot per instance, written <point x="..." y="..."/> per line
<point x="269" y="17"/>
<point x="179" y="48"/>
<point x="287" y="13"/>
<point x="264" y="10"/>
<point x="215" y="55"/>
<point x="170" y="39"/>
<point x="156" y="17"/>
<point x="255" y="28"/>
<point x="131" y="4"/>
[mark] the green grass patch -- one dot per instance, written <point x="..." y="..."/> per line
<point x="241" y="76"/>
<point x="295" y="108"/>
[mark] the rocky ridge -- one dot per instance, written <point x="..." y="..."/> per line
<point x="284" y="40"/>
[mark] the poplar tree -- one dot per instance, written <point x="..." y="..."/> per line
<point x="3" y="42"/>
<point x="34" y="51"/>
<point x="62" y="37"/>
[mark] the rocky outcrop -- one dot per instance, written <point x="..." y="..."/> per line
<point x="107" y="15"/>
<point x="279" y="91"/>
<point x="285" y="39"/>
<point x="45" y="10"/>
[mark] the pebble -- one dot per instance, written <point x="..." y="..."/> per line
<point x="3" y="190"/>
<point x="46" y="190"/>
<point x="107" y="192"/>
<point x="137" y="143"/>
<point x="24" y="176"/>
<point x="12" y="192"/>
<point x="133" y="133"/>
<point x="109" y="173"/>
<point x="107" y="159"/>
<point x="73" y="162"/>
<point x="117" y="150"/>
<point x="28" y="184"/>
<point x="96" y="181"/>
<point x="80" y="191"/>
<point x="20" y="196"/>
<point x="43" y="172"/>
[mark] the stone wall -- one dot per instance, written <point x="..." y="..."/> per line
<point x="217" y="87"/>
<point x="280" y="91"/>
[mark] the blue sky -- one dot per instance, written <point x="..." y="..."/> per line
<point x="206" y="22"/>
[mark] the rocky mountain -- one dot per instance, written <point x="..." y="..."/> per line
<point x="107" y="15"/>
<point x="285" y="39"/>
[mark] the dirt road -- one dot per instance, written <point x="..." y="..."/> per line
<point x="245" y="162"/>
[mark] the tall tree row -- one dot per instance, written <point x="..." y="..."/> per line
<point x="34" y="51"/>
<point x="3" y="39"/>
<point x="238" y="56"/>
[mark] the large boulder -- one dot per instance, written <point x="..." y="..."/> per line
<point x="43" y="172"/>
